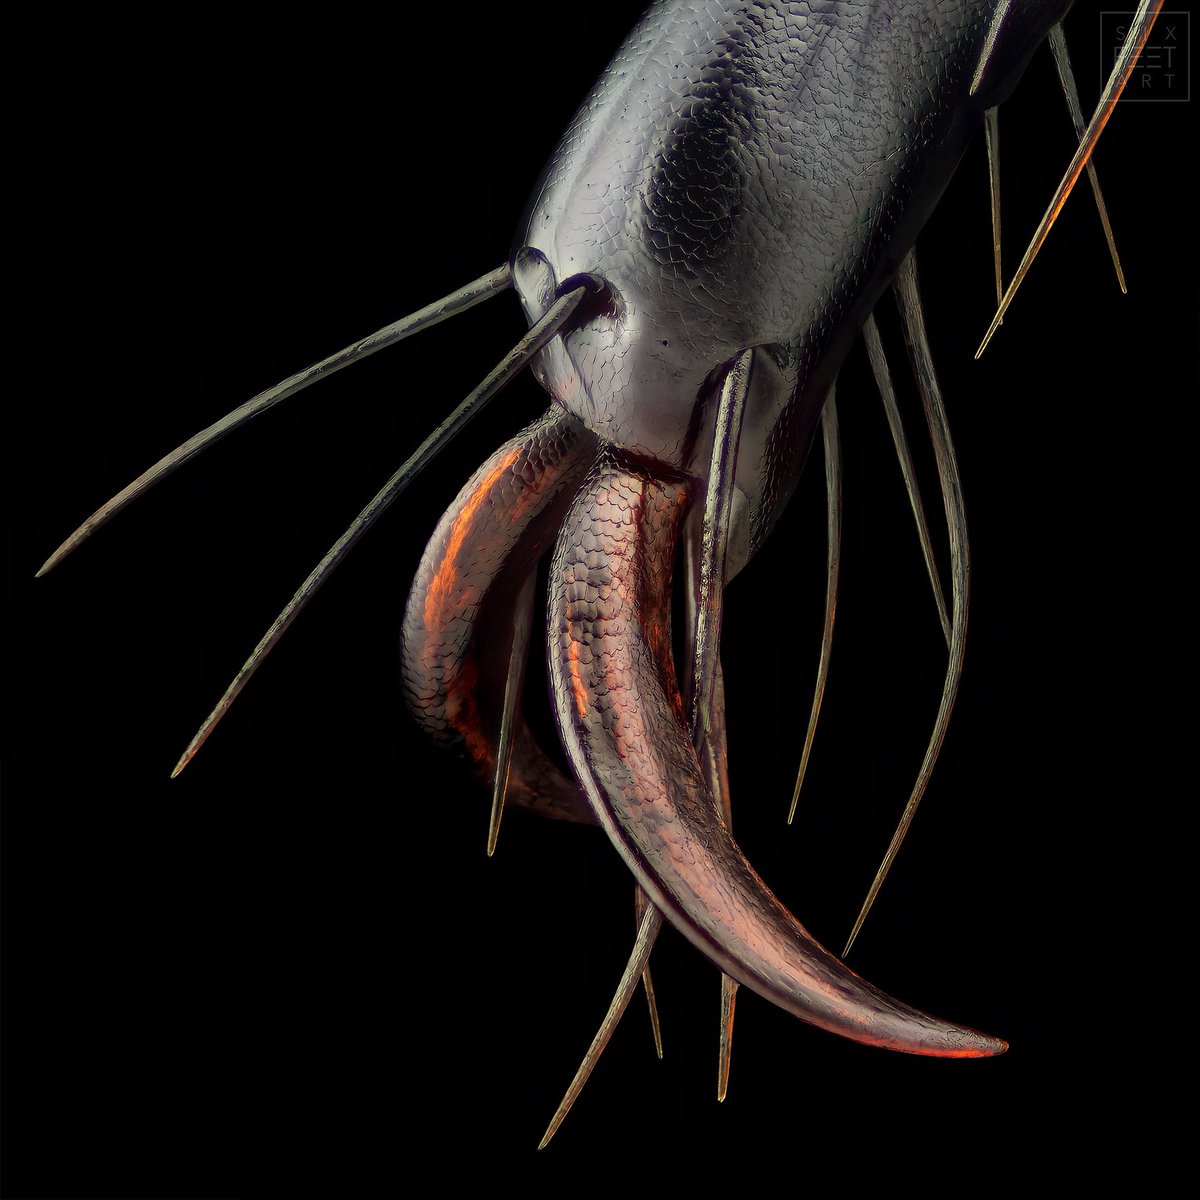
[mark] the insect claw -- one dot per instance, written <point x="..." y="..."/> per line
<point x="627" y="739"/>
<point x="1058" y="44"/>
<point x="833" y="507"/>
<point x="466" y="297"/>
<point x="538" y="336"/>
<point x="1139" y="30"/>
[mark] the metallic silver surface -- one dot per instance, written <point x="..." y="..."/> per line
<point x="121" y="750"/>
<point x="750" y="175"/>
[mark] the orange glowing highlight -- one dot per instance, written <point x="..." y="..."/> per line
<point x="441" y="588"/>
<point x="577" y="688"/>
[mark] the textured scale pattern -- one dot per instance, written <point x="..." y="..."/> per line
<point x="737" y="192"/>
<point x="740" y="186"/>
<point x="748" y="174"/>
<point x="622" y="722"/>
<point x="458" y="622"/>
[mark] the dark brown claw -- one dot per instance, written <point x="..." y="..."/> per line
<point x="621" y="718"/>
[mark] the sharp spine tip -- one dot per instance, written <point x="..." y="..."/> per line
<point x="1139" y="30"/>
<point x="640" y="904"/>
<point x="466" y="297"/>
<point x="648" y="930"/>
<point x="538" y="336"/>
<point x="1062" y="60"/>
<point x="909" y="301"/>
<point x="833" y="507"/>
<point x="729" y="991"/>
<point x="497" y="813"/>
<point x="514" y="681"/>
<point x="183" y="762"/>
<point x="193" y="747"/>
<point x="987" y="337"/>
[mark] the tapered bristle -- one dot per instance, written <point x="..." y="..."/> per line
<point x="457" y="302"/>
<point x="512" y="363"/>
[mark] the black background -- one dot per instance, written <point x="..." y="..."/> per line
<point x="297" y="953"/>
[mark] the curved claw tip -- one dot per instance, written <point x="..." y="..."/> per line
<point x="982" y="1047"/>
<point x="955" y="1041"/>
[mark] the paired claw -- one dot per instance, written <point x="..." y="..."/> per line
<point x="647" y="752"/>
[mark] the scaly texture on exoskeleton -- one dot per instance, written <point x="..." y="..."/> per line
<point x="733" y="198"/>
